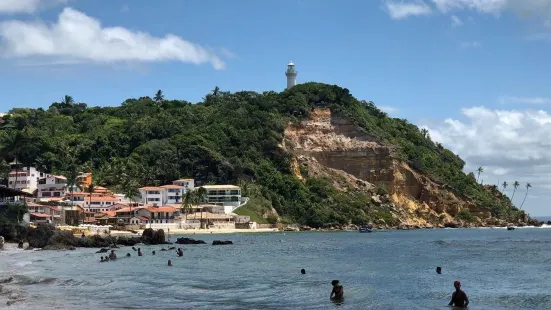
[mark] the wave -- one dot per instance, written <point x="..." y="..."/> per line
<point x="25" y="280"/>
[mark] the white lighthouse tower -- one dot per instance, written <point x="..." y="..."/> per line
<point x="291" y="74"/>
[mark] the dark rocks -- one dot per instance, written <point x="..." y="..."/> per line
<point x="39" y="236"/>
<point x="451" y="225"/>
<point x="150" y="236"/>
<point x="189" y="241"/>
<point x="221" y="242"/>
<point x="103" y="250"/>
<point x="58" y="247"/>
<point x="132" y="241"/>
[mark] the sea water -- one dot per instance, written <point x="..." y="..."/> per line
<point x="499" y="269"/>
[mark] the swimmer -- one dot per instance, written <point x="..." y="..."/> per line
<point x="303" y="271"/>
<point x="102" y="260"/>
<point x="180" y="252"/>
<point x="459" y="298"/>
<point x="169" y="263"/>
<point x="153" y="252"/>
<point x="112" y="255"/>
<point x="338" y="291"/>
<point x="127" y="254"/>
<point x="139" y="252"/>
<point x="439" y="270"/>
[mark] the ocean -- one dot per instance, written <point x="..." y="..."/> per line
<point x="498" y="269"/>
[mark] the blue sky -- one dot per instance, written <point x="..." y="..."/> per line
<point x="474" y="72"/>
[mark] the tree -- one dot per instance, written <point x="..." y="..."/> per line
<point x="202" y="197"/>
<point x="67" y="100"/>
<point x="479" y="170"/>
<point x="215" y="91"/>
<point x="159" y="97"/>
<point x="90" y="190"/>
<point x="187" y="202"/>
<point x="515" y="186"/>
<point x="504" y="186"/>
<point x="528" y="185"/>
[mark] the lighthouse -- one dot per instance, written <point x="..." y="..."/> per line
<point x="291" y="74"/>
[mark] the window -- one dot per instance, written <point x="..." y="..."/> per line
<point x="153" y="192"/>
<point x="234" y="192"/>
<point x="153" y="199"/>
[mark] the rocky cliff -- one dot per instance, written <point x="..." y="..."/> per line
<point x="330" y="146"/>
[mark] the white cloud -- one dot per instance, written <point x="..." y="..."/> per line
<point x="26" y="6"/>
<point x="78" y="37"/>
<point x="471" y="44"/>
<point x="401" y="10"/>
<point x="511" y="145"/>
<point x="525" y="100"/>
<point x="388" y="109"/>
<point x="456" y="21"/>
<point x="482" y="6"/>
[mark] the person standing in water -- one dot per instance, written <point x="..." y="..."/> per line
<point x="139" y="252"/>
<point x="459" y="298"/>
<point x="169" y="263"/>
<point x="338" y="292"/>
<point x="439" y="270"/>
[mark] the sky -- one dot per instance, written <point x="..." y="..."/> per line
<point x="475" y="73"/>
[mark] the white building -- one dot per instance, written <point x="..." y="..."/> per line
<point x="172" y="194"/>
<point x="51" y="186"/>
<point x="25" y="178"/>
<point x="186" y="183"/>
<point x="291" y="74"/>
<point x="224" y="195"/>
<point x="152" y="195"/>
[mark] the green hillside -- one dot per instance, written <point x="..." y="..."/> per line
<point x="227" y="138"/>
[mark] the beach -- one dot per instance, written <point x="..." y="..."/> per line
<point x="173" y="232"/>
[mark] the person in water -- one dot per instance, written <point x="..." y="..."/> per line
<point x="180" y="252"/>
<point x="303" y="271"/>
<point x="169" y="263"/>
<point x="338" y="291"/>
<point x="112" y="255"/>
<point x="439" y="270"/>
<point x="139" y="252"/>
<point x="459" y="298"/>
<point x="153" y="252"/>
<point x="102" y="260"/>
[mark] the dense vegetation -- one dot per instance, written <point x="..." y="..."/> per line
<point x="227" y="138"/>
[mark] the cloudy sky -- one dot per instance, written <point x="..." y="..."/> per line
<point x="476" y="73"/>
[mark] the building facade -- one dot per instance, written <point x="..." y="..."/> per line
<point x="223" y="195"/>
<point x="51" y="186"/>
<point x="25" y="178"/>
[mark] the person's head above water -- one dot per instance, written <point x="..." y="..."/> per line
<point x="127" y="254"/>
<point x="169" y="262"/>
<point x="457" y="285"/>
<point x="439" y="270"/>
<point x="303" y="271"/>
<point x="335" y="282"/>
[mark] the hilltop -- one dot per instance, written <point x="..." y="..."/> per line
<point x="313" y="155"/>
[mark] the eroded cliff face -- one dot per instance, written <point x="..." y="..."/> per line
<point x="330" y="146"/>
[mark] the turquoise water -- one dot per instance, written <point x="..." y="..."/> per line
<point x="499" y="269"/>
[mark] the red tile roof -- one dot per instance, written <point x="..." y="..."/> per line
<point x="172" y="186"/>
<point x="43" y="215"/>
<point x="161" y="209"/>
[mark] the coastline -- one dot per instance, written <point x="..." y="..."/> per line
<point x="122" y="233"/>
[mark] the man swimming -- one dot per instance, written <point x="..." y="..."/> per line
<point x="338" y="291"/>
<point x="459" y="298"/>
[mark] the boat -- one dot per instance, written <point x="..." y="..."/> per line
<point x="510" y="228"/>
<point x="366" y="229"/>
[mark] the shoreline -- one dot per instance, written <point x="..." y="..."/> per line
<point x="123" y="233"/>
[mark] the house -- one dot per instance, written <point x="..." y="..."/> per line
<point x="224" y="195"/>
<point x="25" y="178"/>
<point x="185" y="183"/>
<point x="44" y="214"/>
<point x="139" y="220"/>
<point x="96" y="204"/>
<point x="159" y="215"/>
<point x="106" y="218"/>
<point x="51" y="186"/>
<point x="84" y="179"/>
<point x="152" y="195"/>
<point x="172" y="194"/>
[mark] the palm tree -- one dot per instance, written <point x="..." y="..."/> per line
<point x="202" y="197"/>
<point x="187" y="202"/>
<point x="479" y="170"/>
<point x="528" y="185"/>
<point x="67" y="100"/>
<point x="159" y="97"/>
<point x="90" y="190"/>
<point x="216" y="91"/>
<point x="515" y="185"/>
<point x="504" y="186"/>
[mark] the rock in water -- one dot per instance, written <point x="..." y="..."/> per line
<point x="158" y="237"/>
<point x="221" y="242"/>
<point x="103" y="250"/>
<point x="39" y="236"/>
<point x="189" y="241"/>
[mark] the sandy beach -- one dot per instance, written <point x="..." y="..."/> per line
<point x="197" y="231"/>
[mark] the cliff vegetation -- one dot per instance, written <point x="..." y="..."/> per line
<point x="313" y="155"/>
